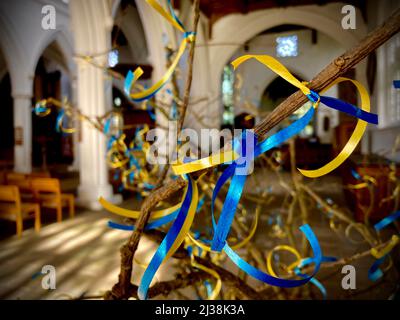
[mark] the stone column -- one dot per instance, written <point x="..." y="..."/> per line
<point x="75" y="137"/>
<point x="91" y="24"/>
<point x="92" y="149"/>
<point x="23" y="132"/>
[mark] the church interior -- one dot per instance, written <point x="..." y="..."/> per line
<point x="200" y="149"/>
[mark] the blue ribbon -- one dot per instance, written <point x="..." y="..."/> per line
<point x="200" y="204"/>
<point x="238" y="181"/>
<point x="39" y="110"/>
<point x="387" y="220"/>
<point x="106" y="128"/>
<point x="345" y="107"/>
<point x="129" y="78"/>
<point x="172" y="11"/>
<point x="273" y="281"/>
<point x="374" y="273"/>
<point x="315" y="282"/>
<point x="349" y="109"/>
<point x="152" y="225"/>
<point x="127" y="88"/>
<point x="396" y="84"/>
<point x="355" y="174"/>
<point x="128" y="82"/>
<point x="209" y="288"/>
<point x="59" y="119"/>
<point x="166" y="244"/>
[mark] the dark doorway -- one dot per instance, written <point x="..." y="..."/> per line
<point x="6" y="123"/>
<point x="49" y="147"/>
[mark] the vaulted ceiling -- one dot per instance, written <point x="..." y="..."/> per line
<point x="215" y="9"/>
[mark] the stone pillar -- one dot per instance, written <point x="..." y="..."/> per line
<point x="75" y="136"/>
<point x="91" y="25"/>
<point x="23" y="132"/>
<point x="92" y="149"/>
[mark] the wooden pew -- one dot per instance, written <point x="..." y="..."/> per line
<point x="24" y="183"/>
<point x="47" y="192"/>
<point x="11" y="208"/>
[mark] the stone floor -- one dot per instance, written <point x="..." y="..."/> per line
<point x="85" y="253"/>
<point x="83" y="250"/>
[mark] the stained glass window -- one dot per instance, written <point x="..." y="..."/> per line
<point x="287" y="46"/>
<point x="113" y="58"/>
<point x="228" y="81"/>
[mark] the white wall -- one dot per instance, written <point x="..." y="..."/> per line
<point x="385" y="100"/>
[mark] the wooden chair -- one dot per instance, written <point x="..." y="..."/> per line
<point x="40" y="174"/>
<point x="2" y="178"/>
<point x="47" y="192"/>
<point x="12" y="208"/>
<point x="23" y="182"/>
<point x="14" y="176"/>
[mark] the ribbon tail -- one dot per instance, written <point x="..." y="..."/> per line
<point x="174" y="238"/>
<point x="284" y="283"/>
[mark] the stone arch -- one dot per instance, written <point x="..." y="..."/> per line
<point x="13" y="55"/>
<point x="242" y="28"/>
<point x="61" y="39"/>
<point x="115" y="7"/>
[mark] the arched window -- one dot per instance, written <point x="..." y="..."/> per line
<point x="228" y="81"/>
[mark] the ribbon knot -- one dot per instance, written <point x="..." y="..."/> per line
<point x="313" y="97"/>
<point x="190" y="36"/>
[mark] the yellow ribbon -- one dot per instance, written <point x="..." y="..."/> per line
<point x="204" y="163"/>
<point x="354" y="139"/>
<point x="135" y="214"/>
<point x="165" y="14"/>
<point x="188" y="221"/>
<point x="276" y="67"/>
<point x="138" y="72"/>
<point x="217" y="159"/>
<point x="383" y="252"/>
<point x="116" y="155"/>
<point x="42" y="104"/>
<point x="282" y="248"/>
<point x="65" y="130"/>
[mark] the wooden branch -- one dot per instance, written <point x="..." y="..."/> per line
<point x="192" y="278"/>
<point x="189" y="78"/>
<point x="186" y="280"/>
<point x="186" y="95"/>
<point x="332" y="71"/>
<point x="121" y="289"/>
